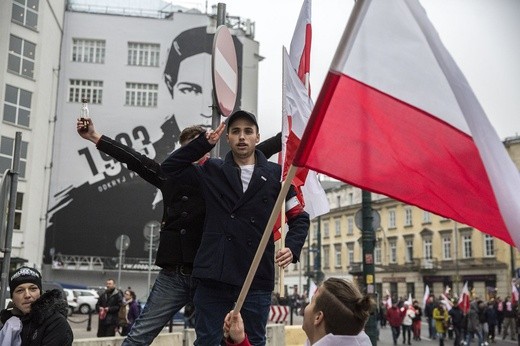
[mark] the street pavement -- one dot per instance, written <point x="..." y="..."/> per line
<point x="385" y="339"/>
<point x="79" y="324"/>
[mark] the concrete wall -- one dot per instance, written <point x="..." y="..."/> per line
<point x="277" y="335"/>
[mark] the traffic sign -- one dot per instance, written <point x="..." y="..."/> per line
<point x="376" y="219"/>
<point x="224" y="70"/>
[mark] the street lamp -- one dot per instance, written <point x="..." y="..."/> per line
<point x="151" y="232"/>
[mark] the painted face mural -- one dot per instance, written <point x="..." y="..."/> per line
<point x="94" y="198"/>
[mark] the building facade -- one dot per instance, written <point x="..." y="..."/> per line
<point x="146" y="74"/>
<point x="30" y="40"/>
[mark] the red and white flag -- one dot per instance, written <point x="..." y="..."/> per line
<point x="446" y="301"/>
<point x="514" y="293"/>
<point x="388" y="299"/>
<point x="300" y="49"/>
<point x="396" y="116"/>
<point x="426" y="296"/>
<point x="464" y="299"/>
<point x="297" y="107"/>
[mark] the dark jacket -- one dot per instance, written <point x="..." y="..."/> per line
<point x="184" y="207"/>
<point x="235" y="220"/>
<point x="457" y="316"/>
<point x="113" y="301"/>
<point x="46" y="324"/>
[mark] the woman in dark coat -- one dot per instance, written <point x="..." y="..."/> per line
<point x="32" y="318"/>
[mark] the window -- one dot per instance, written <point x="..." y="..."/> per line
<point x="326" y="229"/>
<point x="408" y="216"/>
<point x="25" y="12"/>
<point x="467" y="251"/>
<point x="18" y="211"/>
<point x="337" y="255"/>
<point x="446" y="246"/>
<point x="338" y="199"/>
<point x="427" y="248"/>
<point x="326" y="257"/>
<point x="337" y="227"/>
<point x="143" y="54"/>
<point x="7" y="154"/>
<point x="92" y="51"/>
<point x="350" y="253"/>
<point x="393" y="250"/>
<point x="426" y="217"/>
<point x="350" y="198"/>
<point x="377" y="253"/>
<point x="315" y="231"/>
<point x="90" y="89"/>
<point x="391" y="218"/>
<point x="17" y="106"/>
<point x="409" y="250"/>
<point x="350" y="225"/>
<point x="489" y="246"/>
<point x="21" y="56"/>
<point x="141" y="94"/>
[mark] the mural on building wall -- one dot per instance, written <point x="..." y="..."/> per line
<point x="106" y="199"/>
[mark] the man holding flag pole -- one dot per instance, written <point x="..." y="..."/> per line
<point x="240" y="193"/>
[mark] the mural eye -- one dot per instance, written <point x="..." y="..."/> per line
<point x="189" y="88"/>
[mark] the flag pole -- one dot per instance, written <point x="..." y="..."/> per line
<point x="281" y="270"/>
<point x="281" y="289"/>
<point x="265" y="238"/>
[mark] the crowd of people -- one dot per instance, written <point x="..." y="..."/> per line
<point x="480" y="322"/>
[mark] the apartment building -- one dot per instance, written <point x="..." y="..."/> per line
<point x="30" y="40"/>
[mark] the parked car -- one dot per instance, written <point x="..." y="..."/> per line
<point x="71" y="300"/>
<point x="86" y="299"/>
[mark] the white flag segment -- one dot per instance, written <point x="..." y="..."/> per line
<point x="426" y="296"/>
<point x="407" y="124"/>
<point x="300" y="48"/>
<point x="297" y="107"/>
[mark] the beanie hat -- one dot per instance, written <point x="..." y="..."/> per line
<point x="25" y="275"/>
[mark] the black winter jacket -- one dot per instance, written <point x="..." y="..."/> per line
<point x="46" y="324"/>
<point x="184" y="207"/>
<point x="235" y="220"/>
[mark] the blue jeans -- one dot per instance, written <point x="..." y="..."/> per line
<point x="470" y="335"/>
<point x="213" y="300"/>
<point x="170" y="292"/>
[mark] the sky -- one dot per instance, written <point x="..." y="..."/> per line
<point x="483" y="36"/>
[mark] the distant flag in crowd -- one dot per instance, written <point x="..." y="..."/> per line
<point x="312" y="289"/>
<point x="388" y="299"/>
<point x="426" y="296"/>
<point x="396" y="116"/>
<point x="514" y="293"/>
<point x="410" y="300"/>
<point x="446" y="301"/>
<point x="464" y="299"/>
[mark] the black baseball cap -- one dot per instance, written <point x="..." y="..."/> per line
<point x="241" y="114"/>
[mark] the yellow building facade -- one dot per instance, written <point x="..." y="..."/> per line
<point x="413" y="248"/>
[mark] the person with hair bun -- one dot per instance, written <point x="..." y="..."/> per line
<point x="336" y="315"/>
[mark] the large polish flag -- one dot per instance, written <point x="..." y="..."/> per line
<point x="296" y="109"/>
<point x="396" y="116"/>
